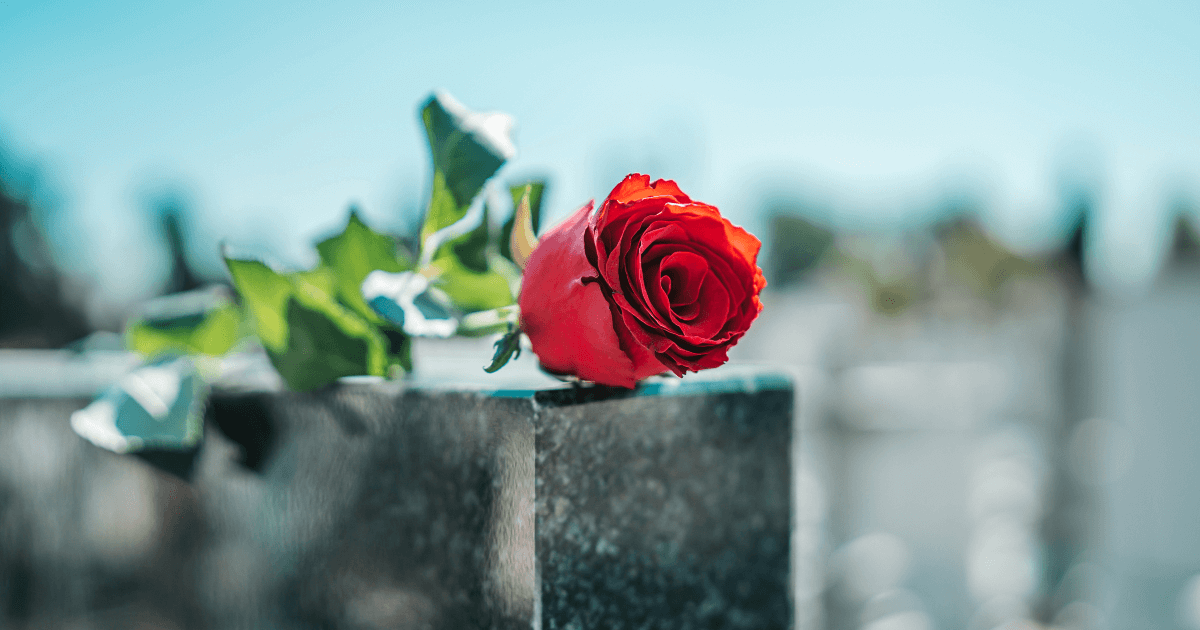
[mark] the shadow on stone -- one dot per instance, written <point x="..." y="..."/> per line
<point x="247" y="421"/>
<point x="181" y="463"/>
<point x="579" y="394"/>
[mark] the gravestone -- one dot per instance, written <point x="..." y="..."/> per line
<point x="443" y="503"/>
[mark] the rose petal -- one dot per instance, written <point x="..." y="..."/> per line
<point x="740" y="241"/>
<point x="624" y="275"/>
<point x="686" y="313"/>
<point x="686" y="273"/>
<point x="645" y="362"/>
<point x="716" y="324"/>
<point x="619" y="237"/>
<point x="637" y="186"/>
<point x="722" y="272"/>
<point x="655" y="344"/>
<point x="569" y="321"/>
<point x="692" y="270"/>
<point x="713" y="304"/>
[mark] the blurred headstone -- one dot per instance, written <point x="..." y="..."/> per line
<point x="34" y="311"/>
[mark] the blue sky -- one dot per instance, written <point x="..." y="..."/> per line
<point x="274" y="116"/>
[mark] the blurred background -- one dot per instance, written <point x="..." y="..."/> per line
<point x="978" y="226"/>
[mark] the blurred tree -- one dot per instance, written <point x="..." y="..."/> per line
<point x="1069" y="260"/>
<point x="1066" y="535"/>
<point x="33" y="311"/>
<point x="977" y="261"/>
<point x="173" y="217"/>
<point x="1185" y="241"/>
<point x="797" y="247"/>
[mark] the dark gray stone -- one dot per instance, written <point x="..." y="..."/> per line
<point x="426" y="504"/>
<point x="665" y="511"/>
<point x="417" y="508"/>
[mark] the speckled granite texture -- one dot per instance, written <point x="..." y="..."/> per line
<point x="423" y="505"/>
<point x="665" y="511"/>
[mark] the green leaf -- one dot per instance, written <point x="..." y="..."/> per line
<point x="508" y="347"/>
<point x="353" y="254"/>
<point x="536" y="190"/>
<point x="471" y="250"/>
<point x="213" y="333"/>
<point x="311" y="338"/>
<point x="327" y="340"/>
<point x="467" y="147"/>
<point x="319" y="351"/>
<point x="322" y="278"/>
<point x="264" y="294"/>
<point x="443" y="210"/>
<point x="399" y="356"/>
<point x="470" y="290"/>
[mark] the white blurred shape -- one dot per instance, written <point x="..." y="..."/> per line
<point x="53" y="373"/>
<point x="155" y="388"/>
<point x="1001" y="560"/>
<point x="1004" y="486"/>
<point x="399" y="298"/>
<point x="97" y="423"/>
<point x="1099" y="451"/>
<point x="1011" y="441"/>
<point x="120" y="520"/>
<point x="888" y="604"/>
<point x="996" y="612"/>
<point x="388" y="607"/>
<point x="912" y="395"/>
<point x="1189" y="603"/>
<point x="810" y="497"/>
<point x="872" y="564"/>
<point x="910" y="620"/>
<point x="158" y="403"/>
<point x="36" y="455"/>
<point x="1079" y="616"/>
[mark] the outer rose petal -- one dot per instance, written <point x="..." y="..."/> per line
<point x="636" y="186"/>
<point x="570" y="323"/>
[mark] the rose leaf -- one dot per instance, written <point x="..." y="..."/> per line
<point x="508" y="347"/>
<point x="310" y="338"/>
<point x="264" y="294"/>
<point x="470" y="290"/>
<point x="214" y="334"/>
<point x="353" y="254"/>
<point x="203" y="321"/>
<point x="467" y="149"/>
<point x="314" y="334"/>
<point x="471" y="250"/>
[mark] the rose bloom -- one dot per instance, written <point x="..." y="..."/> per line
<point x="652" y="282"/>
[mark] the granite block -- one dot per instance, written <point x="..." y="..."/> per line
<point x="665" y="511"/>
<point x="435" y="503"/>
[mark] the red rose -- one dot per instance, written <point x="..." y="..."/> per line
<point x="651" y="282"/>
